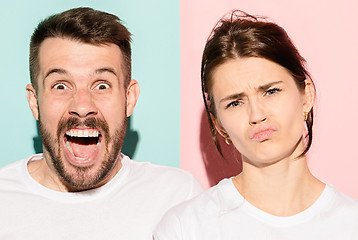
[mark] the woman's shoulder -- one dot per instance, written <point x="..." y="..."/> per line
<point x="343" y="199"/>
<point x="340" y="213"/>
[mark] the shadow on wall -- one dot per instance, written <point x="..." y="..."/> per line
<point x="216" y="166"/>
<point x="130" y="141"/>
<point x="37" y="140"/>
<point x="129" y="146"/>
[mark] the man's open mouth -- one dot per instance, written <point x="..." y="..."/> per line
<point x="82" y="143"/>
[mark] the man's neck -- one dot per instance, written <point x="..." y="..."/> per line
<point x="46" y="175"/>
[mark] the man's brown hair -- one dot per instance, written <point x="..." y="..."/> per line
<point x="85" y="25"/>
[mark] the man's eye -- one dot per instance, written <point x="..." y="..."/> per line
<point x="60" y="86"/>
<point x="272" y="91"/>
<point x="102" y="86"/>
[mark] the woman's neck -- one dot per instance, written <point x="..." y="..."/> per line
<point x="284" y="188"/>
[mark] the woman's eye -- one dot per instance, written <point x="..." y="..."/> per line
<point x="272" y="91"/>
<point x="102" y="86"/>
<point x="60" y="86"/>
<point x="234" y="104"/>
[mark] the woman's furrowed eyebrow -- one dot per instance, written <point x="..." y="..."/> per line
<point x="268" y="85"/>
<point x="233" y="96"/>
<point x="242" y="94"/>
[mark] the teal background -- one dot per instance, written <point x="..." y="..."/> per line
<point x="155" y="65"/>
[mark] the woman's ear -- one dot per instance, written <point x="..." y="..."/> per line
<point x="218" y="126"/>
<point x="309" y="96"/>
<point x="32" y="100"/>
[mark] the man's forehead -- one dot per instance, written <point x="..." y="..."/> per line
<point x="66" y="56"/>
<point x="99" y="71"/>
<point x="66" y="42"/>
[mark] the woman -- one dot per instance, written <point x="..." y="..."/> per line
<point x="259" y="97"/>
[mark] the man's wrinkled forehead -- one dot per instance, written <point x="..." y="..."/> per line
<point x="47" y="54"/>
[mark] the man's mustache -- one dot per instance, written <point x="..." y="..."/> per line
<point x="92" y="122"/>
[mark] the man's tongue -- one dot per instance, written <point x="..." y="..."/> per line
<point x="82" y="147"/>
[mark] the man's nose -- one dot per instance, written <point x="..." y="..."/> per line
<point x="82" y="104"/>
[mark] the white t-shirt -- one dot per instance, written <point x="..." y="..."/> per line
<point x="222" y="213"/>
<point x="127" y="207"/>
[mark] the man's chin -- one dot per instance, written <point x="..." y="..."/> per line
<point x="82" y="177"/>
<point x="79" y="174"/>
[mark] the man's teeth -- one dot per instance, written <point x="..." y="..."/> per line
<point x="82" y="133"/>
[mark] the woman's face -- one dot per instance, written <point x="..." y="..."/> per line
<point x="260" y="108"/>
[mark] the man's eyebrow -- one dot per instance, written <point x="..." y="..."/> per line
<point x="64" y="72"/>
<point x="55" y="70"/>
<point x="242" y="94"/>
<point x="106" y="69"/>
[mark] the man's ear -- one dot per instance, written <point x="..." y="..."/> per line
<point x="132" y="96"/>
<point x="32" y="100"/>
<point x="218" y="126"/>
<point x="309" y="96"/>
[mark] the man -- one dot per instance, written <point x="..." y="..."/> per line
<point x="82" y="187"/>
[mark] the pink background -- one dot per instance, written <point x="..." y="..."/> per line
<point x="325" y="32"/>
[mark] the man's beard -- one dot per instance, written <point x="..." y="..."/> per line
<point x="83" y="178"/>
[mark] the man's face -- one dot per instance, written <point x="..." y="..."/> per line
<point x="82" y="110"/>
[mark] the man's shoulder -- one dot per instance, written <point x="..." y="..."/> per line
<point x="13" y="176"/>
<point x="207" y="204"/>
<point x="11" y="169"/>
<point x="19" y="165"/>
<point x="163" y="187"/>
<point x="162" y="179"/>
<point x="159" y="171"/>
